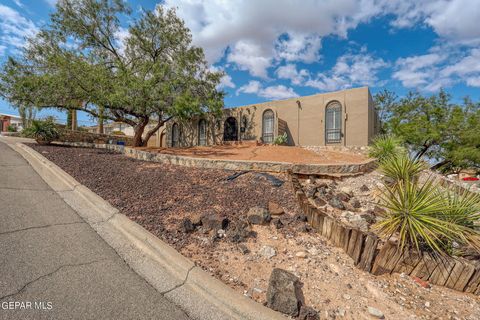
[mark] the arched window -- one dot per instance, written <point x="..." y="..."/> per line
<point x="202" y="132"/>
<point x="333" y="122"/>
<point x="175" y="135"/>
<point x="268" y="122"/>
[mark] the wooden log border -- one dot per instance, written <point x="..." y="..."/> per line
<point x="371" y="254"/>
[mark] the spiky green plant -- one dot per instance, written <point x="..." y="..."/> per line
<point x="401" y="167"/>
<point x="44" y="132"/>
<point x="385" y="146"/>
<point x="425" y="216"/>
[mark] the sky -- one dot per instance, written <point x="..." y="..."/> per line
<point x="279" y="49"/>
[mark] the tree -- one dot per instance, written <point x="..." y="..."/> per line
<point x="80" y="62"/>
<point x="433" y="127"/>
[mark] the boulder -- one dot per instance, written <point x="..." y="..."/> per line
<point x="364" y="188"/>
<point x="187" y="225"/>
<point x="275" y="209"/>
<point x="258" y="215"/>
<point x="343" y="196"/>
<point x="336" y="203"/>
<point x="284" y="293"/>
<point x="277" y="223"/>
<point x="239" y="232"/>
<point x="214" y="222"/>
<point x="308" y="313"/>
<point x="355" y="203"/>
<point x="310" y="190"/>
<point x="301" y="217"/>
<point x="319" y="202"/>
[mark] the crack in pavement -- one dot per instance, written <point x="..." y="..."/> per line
<point x="41" y="227"/>
<point x="23" y="189"/>
<point x="179" y="285"/>
<point x="48" y="275"/>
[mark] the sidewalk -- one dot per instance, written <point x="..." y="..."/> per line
<point x="52" y="259"/>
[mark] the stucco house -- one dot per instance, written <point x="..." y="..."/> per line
<point x="342" y="118"/>
<point x="7" y="120"/>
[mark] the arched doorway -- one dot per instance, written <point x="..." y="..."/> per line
<point x="175" y="135"/>
<point x="230" y="129"/>
<point x="333" y="123"/>
<point x="268" y="122"/>
<point x="202" y="132"/>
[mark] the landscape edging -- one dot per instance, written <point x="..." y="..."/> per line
<point x="371" y="254"/>
<point x="151" y="258"/>
<point x="238" y="165"/>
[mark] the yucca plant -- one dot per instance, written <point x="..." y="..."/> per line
<point x="385" y="146"/>
<point x="401" y="167"/>
<point x="44" y="132"/>
<point x="424" y="216"/>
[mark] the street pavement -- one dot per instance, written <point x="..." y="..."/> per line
<point x="53" y="265"/>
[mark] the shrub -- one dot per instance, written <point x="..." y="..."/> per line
<point x="11" y="128"/>
<point x="385" y="146"/>
<point x="401" y="167"/>
<point x="281" y="140"/>
<point x="44" y="132"/>
<point x="424" y="216"/>
<point x="118" y="133"/>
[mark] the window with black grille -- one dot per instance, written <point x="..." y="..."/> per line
<point x="333" y="122"/>
<point x="267" y="126"/>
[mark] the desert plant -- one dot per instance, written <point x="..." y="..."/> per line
<point x="118" y="133"/>
<point x="11" y="128"/>
<point x="44" y="132"/>
<point x="424" y="216"/>
<point x="281" y="140"/>
<point x="385" y="146"/>
<point x="401" y="167"/>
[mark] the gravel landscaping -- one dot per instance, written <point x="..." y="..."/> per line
<point x="221" y="222"/>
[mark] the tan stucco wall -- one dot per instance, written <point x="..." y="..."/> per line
<point x="305" y="118"/>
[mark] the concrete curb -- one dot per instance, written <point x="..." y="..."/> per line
<point x="196" y="292"/>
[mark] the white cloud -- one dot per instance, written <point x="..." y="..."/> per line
<point x="51" y="2"/>
<point x="290" y="72"/>
<point x="443" y="67"/>
<point x="226" y="82"/>
<point x="278" y="92"/>
<point x="14" y="28"/>
<point x="349" y="70"/>
<point x="299" y="47"/>
<point x="18" y="3"/>
<point x="252" y="57"/>
<point x="258" y="35"/>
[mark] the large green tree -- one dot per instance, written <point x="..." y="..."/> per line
<point x="434" y="127"/>
<point x="84" y="60"/>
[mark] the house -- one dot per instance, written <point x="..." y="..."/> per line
<point x="341" y="118"/>
<point x="116" y="128"/>
<point x="7" y="120"/>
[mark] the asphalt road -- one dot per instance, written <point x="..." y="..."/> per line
<point x="54" y="266"/>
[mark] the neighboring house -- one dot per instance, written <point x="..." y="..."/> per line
<point x="10" y="120"/>
<point x="342" y="118"/>
<point x="112" y="127"/>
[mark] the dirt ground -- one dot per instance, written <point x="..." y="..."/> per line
<point x="160" y="196"/>
<point x="264" y="153"/>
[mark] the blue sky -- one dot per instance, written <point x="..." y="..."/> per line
<point x="277" y="49"/>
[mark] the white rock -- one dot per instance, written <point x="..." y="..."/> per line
<point x="301" y="254"/>
<point x="346" y="297"/>
<point x="267" y="252"/>
<point x="375" y="312"/>
<point x="427" y="304"/>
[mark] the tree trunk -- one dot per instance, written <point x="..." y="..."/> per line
<point x="100" y="121"/>
<point x="420" y="153"/>
<point x="74" y="120"/>
<point x="138" y="140"/>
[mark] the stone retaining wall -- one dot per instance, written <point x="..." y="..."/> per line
<point x="237" y="165"/>
<point x="93" y="138"/>
<point x="378" y="257"/>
